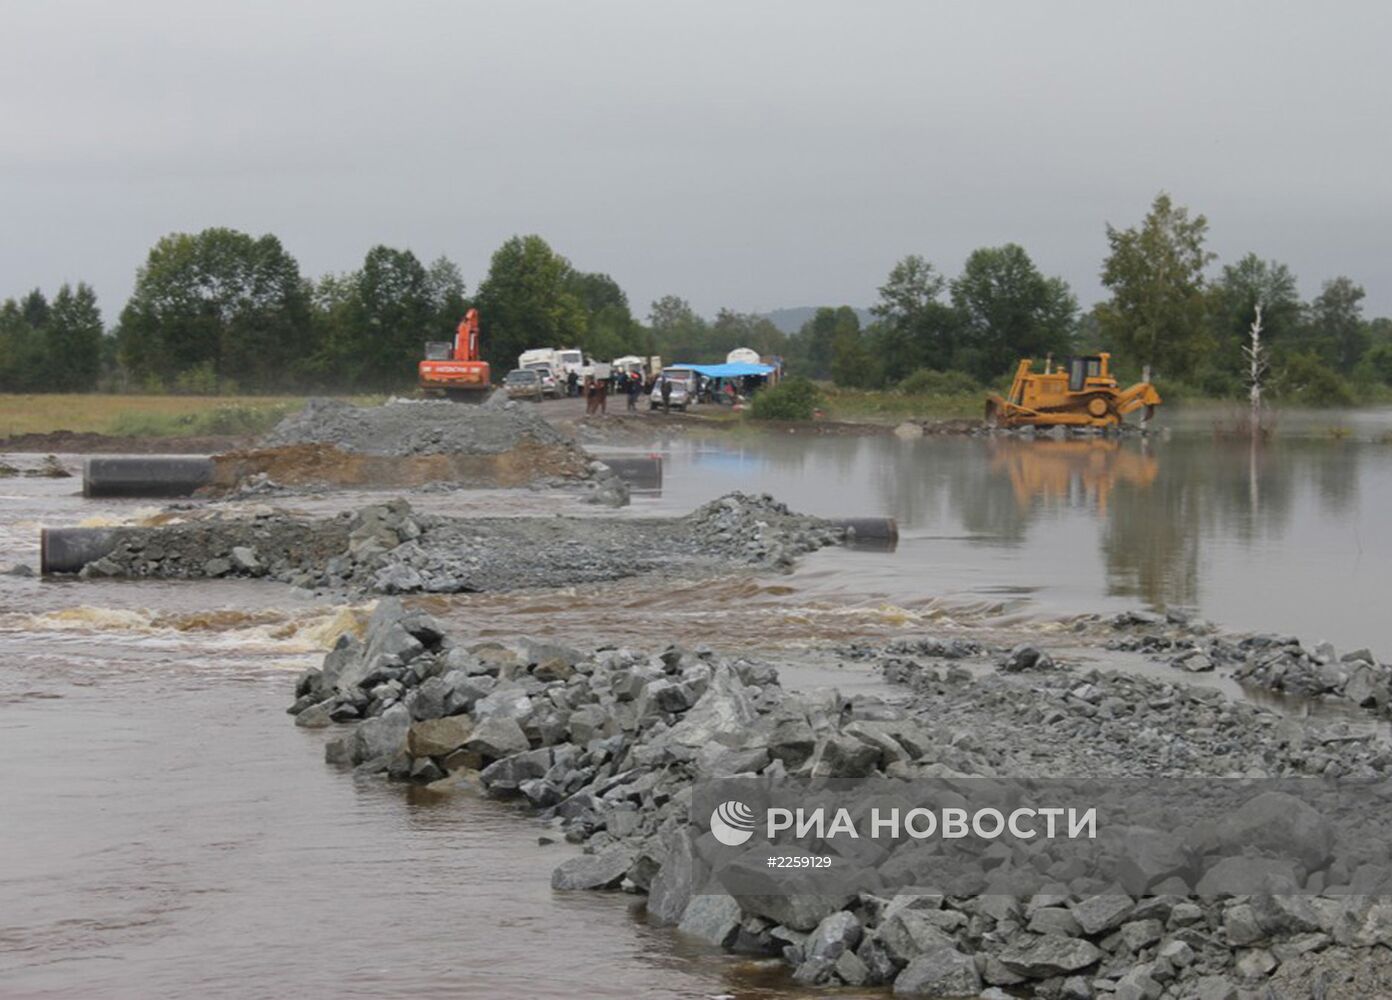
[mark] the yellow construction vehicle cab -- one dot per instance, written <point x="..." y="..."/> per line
<point x="1079" y="393"/>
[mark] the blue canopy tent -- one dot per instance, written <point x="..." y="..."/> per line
<point x="736" y="369"/>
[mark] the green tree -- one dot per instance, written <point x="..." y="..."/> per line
<point x="678" y="333"/>
<point x="392" y="317"/>
<point x="445" y="287"/>
<point x="819" y="334"/>
<point x="610" y="329"/>
<point x="1378" y="363"/>
<point x="1304" y="379"/>
<point x="332" y="305"/>
<point x="1380" y="331"/>
<point x="218" y="301"/>
<point x="23" y="353"/>
<point x="74" y="340"/>
<point x="528" y="301"/>
<point x="1334" y="327"/>
<point x="1155" y="272"/>
<point x="1009" y="310"/>
<point x="854" y="363"/>
<point x="733" y="329"/>
<point x="916" y="329"/>
<point x="372" y="324"/>
<point x="34" y="308"/>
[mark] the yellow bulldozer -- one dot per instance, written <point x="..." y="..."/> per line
<point x="1079" y="393"/>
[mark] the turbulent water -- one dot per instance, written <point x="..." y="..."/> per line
<point x="167" y="831"/>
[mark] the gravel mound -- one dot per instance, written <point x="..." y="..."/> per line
<point x="390" y="548"/>
<point x="404" y="427"/>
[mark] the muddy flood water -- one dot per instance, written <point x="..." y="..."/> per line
<point x="168" y="832"/>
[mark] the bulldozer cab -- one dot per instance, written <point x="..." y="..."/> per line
<point x="1081" y="369"/>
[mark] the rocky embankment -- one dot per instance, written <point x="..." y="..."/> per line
<point x="415" y="427"/>
<point x="1270" y="661"/>
<point x="609" y="744"/>
<point x="411" y="443"/>
<point x="390" y="548"/>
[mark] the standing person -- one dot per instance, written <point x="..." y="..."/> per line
<point x="572" y="383"/>
<point x="590" y="398"/>
<point x="635" y="386"/>
<point x="604" y="396"/>
<point x="666" y="393"/>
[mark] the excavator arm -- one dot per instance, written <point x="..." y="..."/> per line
<point x="466" y="337"/>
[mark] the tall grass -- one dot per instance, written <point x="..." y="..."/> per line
<point x="156" y="416"/>
<point x="892" y="405"/>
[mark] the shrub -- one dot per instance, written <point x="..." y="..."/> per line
<point x="200" y="380"/>
<point x="927" y="382"/>
<point x="1306" y="380"/>
<point x="1377" y="364"/>
<point x="791" y="399"/>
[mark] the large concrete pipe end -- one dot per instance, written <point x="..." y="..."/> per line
<point x="145" y="475"/>
<point x="67" y="550"/>
<point x="870" y="532"/>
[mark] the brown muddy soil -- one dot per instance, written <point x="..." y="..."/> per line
<point x="90" y="442"/>
<point x="324" y="464"/>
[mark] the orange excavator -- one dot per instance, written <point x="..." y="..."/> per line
<point x="1081" y="393"/>
<point x="454" y="369"/>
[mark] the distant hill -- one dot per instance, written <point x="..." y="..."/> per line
<point x="791" y="320"/>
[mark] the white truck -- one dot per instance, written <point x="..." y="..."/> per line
<point x="563" y="360"/>
<point x="648" y="367"/>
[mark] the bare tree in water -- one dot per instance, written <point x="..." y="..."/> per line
<point x="1256" y="359"/>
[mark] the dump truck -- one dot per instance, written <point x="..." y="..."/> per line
<point x="1081" y="392"/>
<point x="455" y="369"/>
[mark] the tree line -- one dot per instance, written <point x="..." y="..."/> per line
<point x="221" y="310"/>
<point x="1164" y="313"/>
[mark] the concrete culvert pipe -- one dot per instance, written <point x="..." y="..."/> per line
<point x="145" y="476"/>
<point x="67" y="550"/>
<point x="873" y="532"/>
<point x="643" y="472"/>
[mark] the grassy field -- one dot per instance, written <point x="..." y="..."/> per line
<point x="890" y="405"/>
<point x="154" y="416"/>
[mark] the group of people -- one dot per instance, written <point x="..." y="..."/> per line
<point x="633" y="384"/>
<point x="596" y="390"/>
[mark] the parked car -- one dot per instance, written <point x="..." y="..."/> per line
<point x="550" y="380"/>
<point x="683" y="389"/>
<point x="523" y="383"/>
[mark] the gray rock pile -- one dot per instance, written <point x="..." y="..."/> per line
<point x="609" y="744"/>
<point x="391" y="549"/>
<point x="1279" y="663"/>
<point x="404" y="427"/>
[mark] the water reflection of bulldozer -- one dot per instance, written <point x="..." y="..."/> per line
<point x="1073" y="472"/>
<point x="1082" y="393"/>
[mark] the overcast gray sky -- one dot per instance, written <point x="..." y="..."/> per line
<point x="743" y="154"/>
